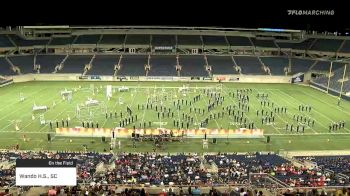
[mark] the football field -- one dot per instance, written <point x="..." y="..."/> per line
<point x="173" y="106"/>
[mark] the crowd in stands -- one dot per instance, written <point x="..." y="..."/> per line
<point x="192" y="170"/>
<point x="337" y="164"/>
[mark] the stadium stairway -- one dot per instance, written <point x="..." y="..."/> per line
<point x="47" y="63"/>
<point x="35" y="65"/>
<point x="207" y="66"/>
<point x="236" y="67"/>
<point x="148" y="66"/>
<point x="5" y="67"/>
<point x="250" y="65"/>
<point x="15" y="69"/>
<point x="340" y="47"/>
<point x="89" y="65"/>
<point x="313" y="65"/>
<point x="10" y="39"/>
<point x="312" y="44"/>
<point x="178" y="66"/>
<point x="117" y="67"/>
<point x="61" y="65"/>
<point x="264" y="67"/>
<point x="25" y="63"/>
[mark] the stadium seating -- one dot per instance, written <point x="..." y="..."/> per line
<point x="132" y="39"/>
<point x="192" y="65"/>
<point x="264" y="43"/>
<point x="163" y="65"/>
<point x="154" y="169"/>
<point x="335" y="80"/>
<point x="301" y="65"/>
<point x="214" y="40"/>
<point x="75" y="64"/>
<point x="133" y="65"/>
<point x="303" y="45"/>
<point x="321" y="66"/>
<point x="276" y="64"/>
<point x="329" y="45"/>
<point x="87" y="39"/>
<point x="338" y="164"/>
<point x="249" y="64"/>
<point x="193" y="40"/>
<point x="5" y="42"/>
<point x="221" y="64"/>
<point x="48" y="62"/>
<point x="25" y="63"/>
<point x="325" y="66"/>
<point x="345" y="47"/>
<point x="285" y="44"/>
<point x="238" y="41"/>
<point x="111" y="39"/>
<point x="163" y="40"/>
<point x="56" y="41"/>
<point x="323" y="81"/>
<point x="5" y="67"/>
<point x="19" y="41"/>
<point x="103" y="65"/>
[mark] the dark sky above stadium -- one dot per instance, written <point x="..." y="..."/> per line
<point x="218" y="13"/>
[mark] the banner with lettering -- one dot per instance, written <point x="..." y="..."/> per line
<point x="190" y="133"/>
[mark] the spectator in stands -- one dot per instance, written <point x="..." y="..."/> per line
<point x="163" y="193"/>
<point x="6" y="193"/>
<point x="181" y="193"/>
<point x="52" y="191"/>
<point x="196" y="191"/>
<point x="143" y="192"/>
<point x="242" y="192"/>
<point x="189" y="190"/>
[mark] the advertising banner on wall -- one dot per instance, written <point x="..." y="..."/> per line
<point x="298" y="78"/>
<point x="233" y="79"/>
<point x="95" y="77"/>
<point x="134" y="78"/>
<point x="165" y="78"/>
<point x="83" y="77"/>
<point x="195" y="78"/>
<point x="207" y="78"/>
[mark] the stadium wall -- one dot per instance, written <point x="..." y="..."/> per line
<point x="330" y="91"/>
<point x="215" y="78"/>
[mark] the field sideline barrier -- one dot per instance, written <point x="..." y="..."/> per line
<point x="6" y="82"/>
<point x="330" y="91"/>
<point x="188" y="133"/>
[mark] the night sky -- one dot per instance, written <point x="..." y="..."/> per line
<point x="215" y="13"/>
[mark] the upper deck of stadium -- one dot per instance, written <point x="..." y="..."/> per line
<point x="179" y="38"/>
<point x="168" y="51"/>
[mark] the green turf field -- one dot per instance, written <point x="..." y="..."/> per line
<point x="324" y="111"/>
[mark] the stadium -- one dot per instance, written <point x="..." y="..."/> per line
<point x="156" y="110"/>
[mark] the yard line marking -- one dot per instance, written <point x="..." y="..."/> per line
<point x="23" y="105"/>
<point x="234" y="101"/>
<point x="287" y="101"/>
<point x="21" y="116"/>
<point x="289" y="115"/>
<point x="314" y="110"/>
<point x="326" y="103"/>
<point x="270" y="111"/>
